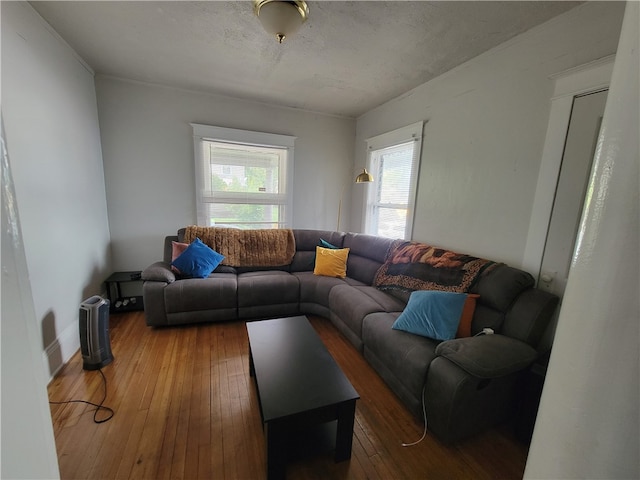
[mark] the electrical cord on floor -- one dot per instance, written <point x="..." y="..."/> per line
<point x="424" y="415"/>
<point x="99" y="406"/>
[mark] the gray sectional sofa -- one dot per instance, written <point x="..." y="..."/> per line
<point x="465" y="385"/>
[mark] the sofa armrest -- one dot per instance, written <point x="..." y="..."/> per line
<point x="488" y="356"/>
<point x="460" y="404"/>
<point x="159" y="272"/>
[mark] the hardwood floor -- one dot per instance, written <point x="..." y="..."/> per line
<point x="185" y="407"/>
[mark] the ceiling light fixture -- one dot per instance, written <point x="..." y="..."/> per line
<point x="280" y="17"/>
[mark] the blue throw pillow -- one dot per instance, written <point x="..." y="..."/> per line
<point x="323" y="243"/>
<point x="432" y="313"/>
<point x="198" y="260"/>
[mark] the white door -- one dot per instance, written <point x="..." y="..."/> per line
<point x="577" y="159"/>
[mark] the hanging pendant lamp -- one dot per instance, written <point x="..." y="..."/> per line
<point x="364" y="177"/>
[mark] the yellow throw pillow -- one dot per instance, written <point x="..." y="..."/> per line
<point x="331" y="262"/>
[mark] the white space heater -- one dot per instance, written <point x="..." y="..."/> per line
<point x="94" y="333"/>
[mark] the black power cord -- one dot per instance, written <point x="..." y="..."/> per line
<point x="99" y="406"/>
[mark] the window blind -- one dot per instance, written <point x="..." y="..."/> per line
<point x="394" y="161"/>
<point x="242" y="184"/>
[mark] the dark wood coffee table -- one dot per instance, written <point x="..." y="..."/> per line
<point x="299" y="385"/>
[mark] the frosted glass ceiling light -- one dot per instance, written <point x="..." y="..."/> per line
<point x="281" y="18"/>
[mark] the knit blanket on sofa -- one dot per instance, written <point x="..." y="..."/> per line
<point x="247" y="248"/>
<point x="413" y="266"/>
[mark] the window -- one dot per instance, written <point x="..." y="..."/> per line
<point x="243" y="178"/>
<point x="393" y="160"/>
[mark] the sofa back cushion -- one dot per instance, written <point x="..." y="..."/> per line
<point x="500" y="286"/>
<point x="498" y="289"/>
<point x="530" y="317"/>
<point x="306" y="242"/>
<point x="366" y="255"/>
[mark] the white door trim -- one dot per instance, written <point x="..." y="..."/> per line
<point x="569" y="83"/>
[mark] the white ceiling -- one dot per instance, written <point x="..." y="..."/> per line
<point x="348" y="58"/>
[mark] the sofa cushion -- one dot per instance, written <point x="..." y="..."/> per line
<point x="306" y="243"/>
<point x="405" y="356"/>
<point x="529" y="317"/>
<point x="350" y="304"/>
<point x="499" y="287"/>
<point x="316" y="288"/>
<point x="303" y="261"/>
<point x="331" y="262"/>
<point x="367" y="254"/>
<point x="488" y="356"/>
<point x="486" y="317"/>
<point x="197" y="260"/>
<point x="389" y="303"/>
<point x="267" y="288"/>
<point x="268" y="294"/>
<point x="308" y="240"/>
<point x="218" y="291"/>
<point x="225" y="269"/>
<point x="433" y="314"/>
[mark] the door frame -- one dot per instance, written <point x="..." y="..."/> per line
<point x="568" y="84"/>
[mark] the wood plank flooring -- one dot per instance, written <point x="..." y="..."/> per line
<point x="186" y="408"/>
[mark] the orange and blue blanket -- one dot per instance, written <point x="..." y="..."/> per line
<point x="413" y="266"/>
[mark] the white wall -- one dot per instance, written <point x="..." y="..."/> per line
<point x="588" y="424"/>
<point x="485" y="131"/>
<point x="50" y="114"/>
<point x="26" y="418"/>
<point x="149" y="168"/>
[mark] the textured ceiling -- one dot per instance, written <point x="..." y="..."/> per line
<point x="348" y="58"/>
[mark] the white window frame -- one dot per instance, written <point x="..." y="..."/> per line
<point x="202" y="133"/>
<point x="410" y="133"/>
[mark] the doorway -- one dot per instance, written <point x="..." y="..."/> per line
<point x="575" y="170"/>
<point x="574" y="90"/>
